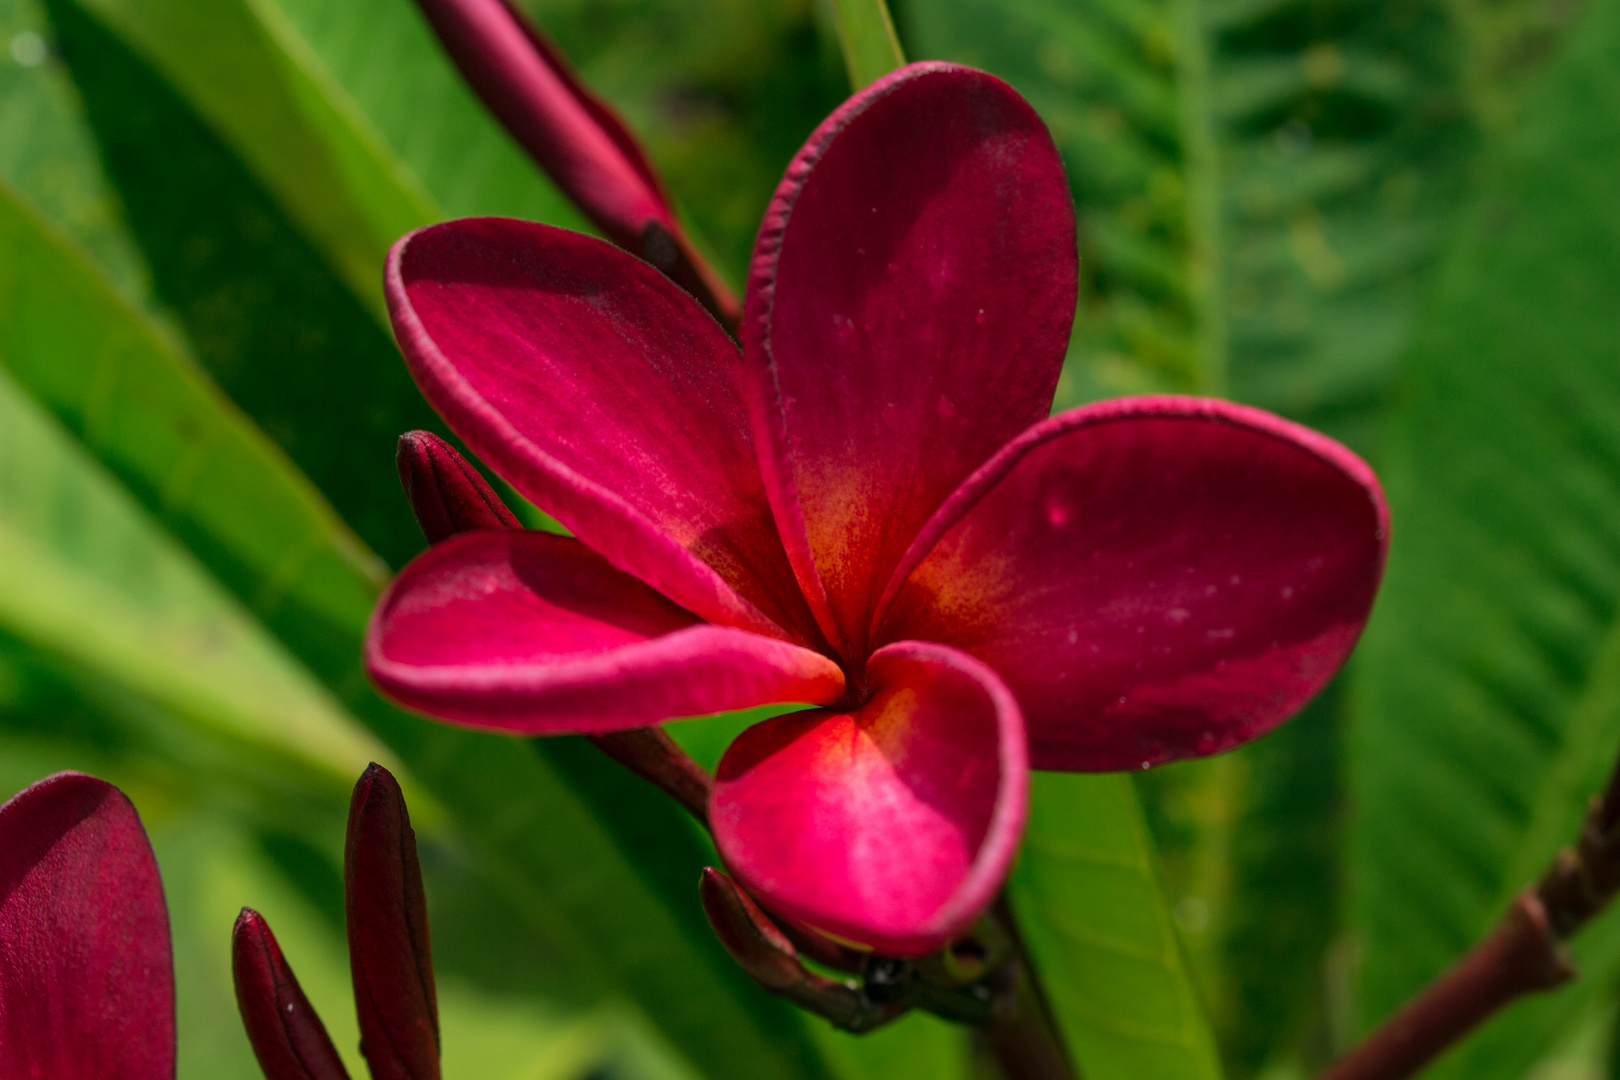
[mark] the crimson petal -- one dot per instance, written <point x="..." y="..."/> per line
<point x="1155" y="578"/>
<point x="86" y="972"/>
<point x="389" y="955"/>
<point x="893" y="825"/>
<point x="532" y="632"/>
<point x="908" y="309"/>
<point x="605" y="395"/>
<point x="288" y="1039"/>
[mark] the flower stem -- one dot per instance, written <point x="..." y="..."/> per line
<point x="1523" y="955"/>
<point x="1024" y="1038"/>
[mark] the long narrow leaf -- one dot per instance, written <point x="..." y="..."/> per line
<point x="88" y="577"/>
<point x="1491" y="685"/>
<point x="866" y="36"/>
<point x="1090" y="905"/>
<point x="293" y="126"/>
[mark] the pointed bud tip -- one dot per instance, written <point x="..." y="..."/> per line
<point x="747" y="932"/>
<point x="287" y="1037"/>
<point x="390" y="957"/>
<point x="447" y="495"/>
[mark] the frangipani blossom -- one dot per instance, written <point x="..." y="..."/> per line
<point x="866" y="509"/>
<point x="86" y="971"/>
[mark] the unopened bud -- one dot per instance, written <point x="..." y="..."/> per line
<point x="769" y="958"/>
<point x="288" y="1038"/>
<point x="447" y="495"/>
<point x="574" y="136"/>
<point x="389" y="956"/>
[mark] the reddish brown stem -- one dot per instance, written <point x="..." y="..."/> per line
<point x="1024" y="1038"/>
<point x="1523" y="955"/>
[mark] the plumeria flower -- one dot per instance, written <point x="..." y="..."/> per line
<point x="389" y="958"/>
<point x="866" y="509"/>
<point x="86" y="970"/>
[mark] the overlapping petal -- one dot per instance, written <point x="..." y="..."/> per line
<point x="533" y="632"/>
<point x="908" y="309"/>
<point x="602" y="392"/>
<point x="1154" y="578"/>
<point x="86" y="973"/>
<point x="892" y="825"/>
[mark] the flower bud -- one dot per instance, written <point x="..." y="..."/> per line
<point x="447" y="495"/>
<point x="575" y="137"/>
<point x="288" y="1038"/>
<point x="770" y="959"/>
<point x="389" y="957"/>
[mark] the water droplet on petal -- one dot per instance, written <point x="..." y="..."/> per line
<point x="1057" y="510"/>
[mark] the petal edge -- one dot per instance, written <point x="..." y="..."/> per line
<point x="893" y="825"/>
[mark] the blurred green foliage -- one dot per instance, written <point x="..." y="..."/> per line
<point x="1393" y="220"/>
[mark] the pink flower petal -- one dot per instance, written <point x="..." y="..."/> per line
<point x="1155" y="578"/>
<point x="86" y="974"/>
<point x="385" y="909"/>
<point x="893" y="825"/>
<point x="908" y="309"/>
<point x="607" y="396"/>
<point x="531" y="632"/>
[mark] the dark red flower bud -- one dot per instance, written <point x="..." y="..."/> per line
<point x="288" y="1038"/>
<point x="770" y="959"/>
<point x="447" y="495"/>
<point x="575" y="137"/>
<point x="389" y="956"/>
<point x="748" y="933"/>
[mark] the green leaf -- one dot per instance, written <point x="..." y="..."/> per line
<point x="1094" y="915"/>
<point x="866" y="36"/>
<point x="1283" y="904"/>
<point x="248" y="75"/>
<point x="1490" y="684"/>
<point x="263" y="310"/>
<point x="1260" y="186"/>
<point x="83" y="572"/>
<point x="122" y="386"/>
